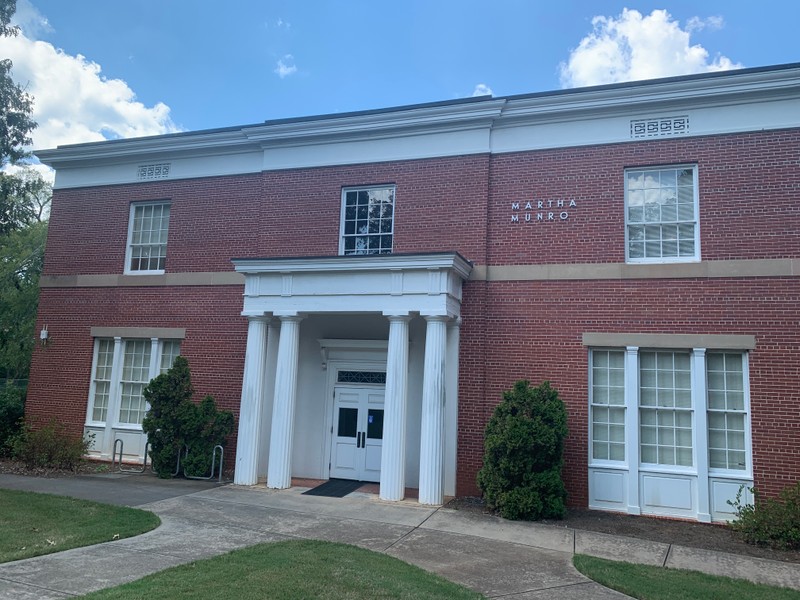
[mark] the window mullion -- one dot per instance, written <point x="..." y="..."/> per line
<point x="114" y="395"/>
<point x="700" y="433"/>
<point x="632" y="427"/>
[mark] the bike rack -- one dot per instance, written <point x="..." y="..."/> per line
<point x="213" y="463"/>
<point x="118" y="443"/>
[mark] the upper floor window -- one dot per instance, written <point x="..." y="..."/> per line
<point x="367" y="220"/>
<point x="661" y="208"/>
<point x="147" y="237"/>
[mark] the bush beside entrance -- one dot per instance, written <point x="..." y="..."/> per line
<point x="175" y="423"/>
<point x="523" y="454"/>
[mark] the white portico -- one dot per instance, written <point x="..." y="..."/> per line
<point x="351" y="371"/>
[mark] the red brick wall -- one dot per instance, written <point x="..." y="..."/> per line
<point x="440" y="206"/>
<point x="214" y="345"/>
<point x="533" y="331"/>
<point x="511" y="330"/>
<point x="748" y="198"/>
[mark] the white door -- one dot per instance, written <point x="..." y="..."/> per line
<point x="357" y="433"/>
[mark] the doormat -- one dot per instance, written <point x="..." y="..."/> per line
<point x="335" y="488"/>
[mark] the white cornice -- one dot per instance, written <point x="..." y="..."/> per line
<point x="374" y="262"/>
<point x="722" y="89"/>
<point x="151" y="148"/>
<point x="379" y="125"/>
<point x="743" y="100"/>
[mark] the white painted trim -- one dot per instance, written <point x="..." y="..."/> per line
<point x="700" y="441"/>
<point x="368" y="262"/>
<point x="632" y="428"/>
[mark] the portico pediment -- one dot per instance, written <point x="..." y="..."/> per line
<point x="391" y="284"/>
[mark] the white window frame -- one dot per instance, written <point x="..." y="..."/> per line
<point x="129" y="242"/>
<point x="696" y="203"/>
<point x="342" y="219"/>
<point x="709" y="484"/>
<point x="115" y="393"/>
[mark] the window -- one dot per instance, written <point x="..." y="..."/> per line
<point x="123" y="368"/>
<point x="661" y="207"/>
<point x="666" y="405"/>
<point x="135" y="375"/>
<point x="367" y="220"/>
<point x="147" y="237"/>
<point x="608" y="405"/>
<point x="668" y="431"/>
<point x="102" y="379"/>
<point x="726" y="411"/>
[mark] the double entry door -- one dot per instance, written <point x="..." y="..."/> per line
<point x="357" y="433"/>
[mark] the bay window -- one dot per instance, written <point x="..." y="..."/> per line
<point x="669" y="430"/>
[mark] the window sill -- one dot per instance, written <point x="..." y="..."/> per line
<point x="134" y="273"/>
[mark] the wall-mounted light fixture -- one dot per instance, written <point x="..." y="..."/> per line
<point x="44" y="336"/>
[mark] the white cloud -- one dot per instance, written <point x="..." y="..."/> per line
<point x="285" y="66"/>
<point x="482" y="90"/>
<point x="30" y="20"/>
<point x="73" y="101"/>
<point x="633" y="47"/>
<point x="46" y="172"/>
<point x="698" y="24"/>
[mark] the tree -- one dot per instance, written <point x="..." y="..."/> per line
<point x="24" y="202"/>
<point x="15" y="103"/>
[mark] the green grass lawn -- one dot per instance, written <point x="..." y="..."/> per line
<point x="301" y="569"/>
<point x="35" y="524"/>
<point x="656" y="583"/>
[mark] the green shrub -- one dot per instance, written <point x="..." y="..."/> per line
<point x="170" y="396"/>
<point x="49" y="447"/>
<point x="206" y="427"/>
<point x="174" y="422"/>
<point x="12" y="409"/>
<point x="524" y="447"/>
<point x="773" y="522"/>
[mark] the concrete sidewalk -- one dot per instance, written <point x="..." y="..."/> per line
<point x="495" y="557"/>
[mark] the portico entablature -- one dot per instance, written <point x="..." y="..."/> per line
<point x="398" y="284"/>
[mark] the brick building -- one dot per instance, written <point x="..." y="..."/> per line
<point x="360" y="288"/>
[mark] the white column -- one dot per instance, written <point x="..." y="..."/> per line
<point x="393" y="453"/>
<point x="252" y="402"/>
<point x="269" y="392"/>
<point x="279" y="471"/>
<point x="700" y="437"/>
<point x="632" y="427"/>
<point x="431" y="452"/>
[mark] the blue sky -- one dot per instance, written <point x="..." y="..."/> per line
<point x="103" y="69"/>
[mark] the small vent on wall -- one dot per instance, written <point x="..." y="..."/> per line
<point x="659" y="127"/>
<point x="145" y="172"/>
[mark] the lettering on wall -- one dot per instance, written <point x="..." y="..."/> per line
<point x="542" y="211"/>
